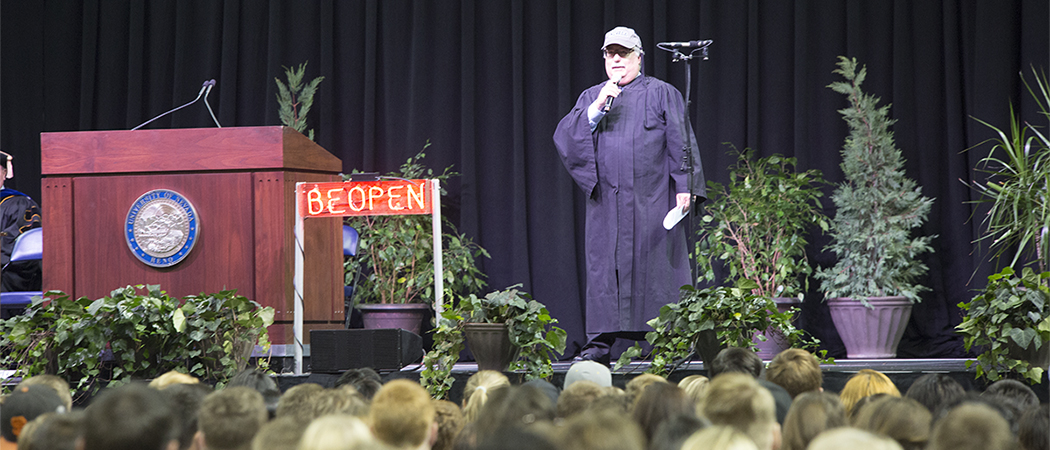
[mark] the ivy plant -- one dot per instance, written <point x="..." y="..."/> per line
<point x="530" y="325"/>
<point x="1011" y="313"/>
<point x="137" y="332"/>
<point x="735" y="313"/>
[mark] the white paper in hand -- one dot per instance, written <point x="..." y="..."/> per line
<point x="673" y="216"/>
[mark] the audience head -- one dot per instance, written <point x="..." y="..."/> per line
<point x="1034" y="430"/>
<point x="54" y="431"/>
<point x="282" y="433"/>
<point x="450" y="422"/>
<point x="638" y="384"/>
<point x="971" y="426"/>
<point x="674" y="431"/>
<point x="260" y="381"/>
<point x="578" y="398"/>
<point x="517" y="439"/>
<point x="365" y="380"/>
<point x="546" y="387"/>
<point x="172" y="377"/>
<point x="737" y="400"/>
<point x="934" y="390"/>
<point x="228" y="419"/>
<point x="590" y="371"/>
<point x="811" y="413"/>
<point x="185" y="401"/>
<point x="130" y="417"/>
<point x="719" y="437"/>
<point x="657" y="403"/>
<point x="23" y="405"/>
<point x="901" y="419"/>
<point x="796" y="371"/>
<point x="852" y="438"/>
<point x="298" y="402"/>
<point x="336" y="432"/>
<point x="864" y="383"/>
<point x="694" y="386"/>
<point x="55" y="382"/>
<point x="601" y="430"/>
<point x="736" y="359"/>
<point x="1014" y="392"/>
<point x="477" y="390"/>
<point x="402" y="415"/>
<point x="513" y="407"/>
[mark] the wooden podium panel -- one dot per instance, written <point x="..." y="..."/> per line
<point x="241" y="181"/>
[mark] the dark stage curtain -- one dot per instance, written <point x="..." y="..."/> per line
<point x="486" y="82"/>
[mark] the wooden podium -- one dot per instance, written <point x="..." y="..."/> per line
<point x="241" y="183"/>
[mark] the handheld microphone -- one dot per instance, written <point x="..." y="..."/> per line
<point x="199" y="95"/>
<point x="690" y="44"/>
<point x="609" y="100"/>
<point x="211" y="84"/>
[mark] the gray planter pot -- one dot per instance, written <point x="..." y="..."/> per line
<point x="775" y="341"/>
<point x="490" y="344"/>
<point x="870" y="333"/>
<point x="406" y="316"/>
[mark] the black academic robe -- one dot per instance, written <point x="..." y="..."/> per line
<point x="18" y="213"/>
<point x="630" y="167"/>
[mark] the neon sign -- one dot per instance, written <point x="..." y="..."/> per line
<point x="364" y="198"/>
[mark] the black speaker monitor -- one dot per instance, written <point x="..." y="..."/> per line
<point x="383" y="350"/>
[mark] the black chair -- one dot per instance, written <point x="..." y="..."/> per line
<point x="29" y="246"/>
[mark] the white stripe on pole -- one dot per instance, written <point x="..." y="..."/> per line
<point x="297" y="284"/>
<point x="439" y="282"/>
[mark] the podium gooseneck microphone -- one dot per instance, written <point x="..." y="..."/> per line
<point x="205" y="87"/>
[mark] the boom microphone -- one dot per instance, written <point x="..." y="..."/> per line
<point x="690" y="44"/>
<point x="199" y="95"/>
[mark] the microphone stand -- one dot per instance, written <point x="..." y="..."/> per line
<point x="687" y="139"/>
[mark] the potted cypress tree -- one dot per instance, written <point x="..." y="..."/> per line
<point x="876" y="278"/>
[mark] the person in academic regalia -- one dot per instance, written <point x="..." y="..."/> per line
<point x="629" y="159"/>
<point x="18" y="213"/>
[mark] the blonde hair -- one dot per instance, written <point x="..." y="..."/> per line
<point x="402" y="414"/>
<point x="336" y="432"/>
<point x="737" y="400"/>
<point x="476" y="392"/>
<point x="637" y="385"/>
<point x="796" y="371"/>
<point x="694" y="387"/>
<point x="847" y="437"/>
<point x="811" y="413"/>
<point x="172" y="377"/>
<point x="865" y="383"/>
<point x="719" y="437"/>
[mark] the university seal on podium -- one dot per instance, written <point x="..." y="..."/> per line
<point x="161" y="228"/>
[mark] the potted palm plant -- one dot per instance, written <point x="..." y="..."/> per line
<point x="876" y="277"/>
<point x="393" y="269"/>
<point x="1010" y="320"/>
<point x="756" y="227"/>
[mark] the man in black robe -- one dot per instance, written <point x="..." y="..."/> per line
<point x="628" y="156"/>
<point x="18" y="213"/>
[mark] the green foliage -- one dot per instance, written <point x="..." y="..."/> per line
<point x="734" y="313"/>
<point x="531" y="329"/>
<point x="396" y="253"/>
<point x="1012" y="312"/>
<point x="757" y="224"/>
<point x="135" y="333"/>
<point x="295" y="99"/>
<point x="878" y="206"/>
<point x="1018" y="168"/>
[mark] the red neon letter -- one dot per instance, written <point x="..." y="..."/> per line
<point x="418" y="197"/>
<point x="332" y="199"/>
<point x="314" y="196"/>
<point x="350" y="198"/>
